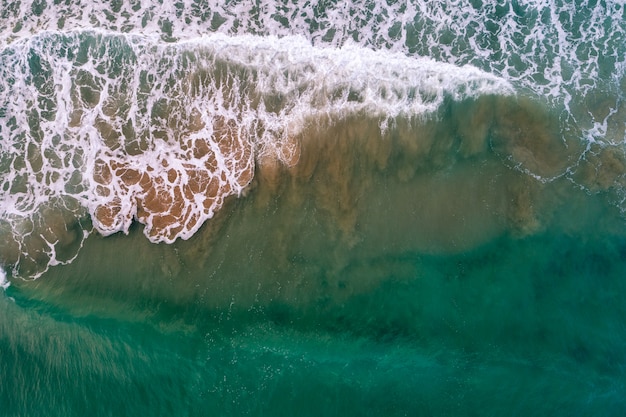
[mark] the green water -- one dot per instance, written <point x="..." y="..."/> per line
<point x="376" y="278"/>
<point x="467" y="263"/>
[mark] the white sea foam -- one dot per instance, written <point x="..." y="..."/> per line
<point x="4" y="282"/>
<point x="134" y="128"/>
<point x="153" y="89"/>
<point x="551" y="47"/>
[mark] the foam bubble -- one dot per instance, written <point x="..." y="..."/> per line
<point x="4" y="282"/>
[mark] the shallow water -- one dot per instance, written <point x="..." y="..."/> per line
<point x="282" y="209"/>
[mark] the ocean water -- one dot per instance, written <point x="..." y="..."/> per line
<point x="312" y="208"/>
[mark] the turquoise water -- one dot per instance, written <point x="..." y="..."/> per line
<point x="528" y="325"/>
<point x="295" y="208"/>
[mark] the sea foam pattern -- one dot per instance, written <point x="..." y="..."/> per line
<point x="556" y="49"/>
<point x="130" y="127"/>
<point x="157" y="112"/>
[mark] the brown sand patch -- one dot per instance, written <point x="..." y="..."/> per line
<point x="101" y="172"/>
<point x="602" y="167"/>
<point x="107" y="214"/>
<point x="529" y="136"/>
<point x="522" y="213"/>
<point x="474" y="120"/>
<point x="442" y="175"/>
<point x="10" y="253"/>
<point x="175" y="193"/>
<point x="130" y="176"/>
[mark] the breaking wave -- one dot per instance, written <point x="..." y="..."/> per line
<point x="125" y="127"/>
